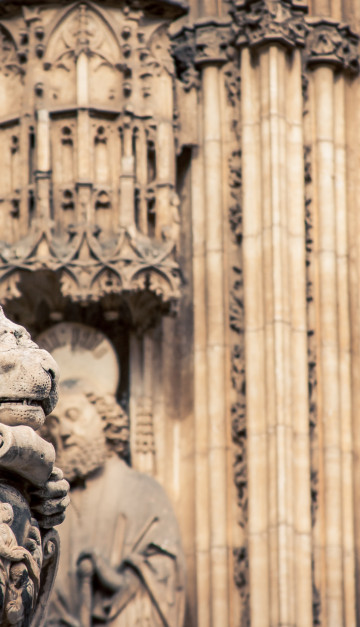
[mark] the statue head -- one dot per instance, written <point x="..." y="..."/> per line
<point x="28" y="377"/>
<point x="6" y="513"/>
<point x="85" y="429"/>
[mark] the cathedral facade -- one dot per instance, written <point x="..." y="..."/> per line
<point x="179" y="227"/>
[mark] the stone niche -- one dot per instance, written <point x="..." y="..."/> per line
<point x="121" y="561"/>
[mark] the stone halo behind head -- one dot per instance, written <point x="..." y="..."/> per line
<point x="83" y="353"/>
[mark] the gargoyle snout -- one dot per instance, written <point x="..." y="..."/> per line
<point x="51" y="368"/>
<point x="49" y="365"/>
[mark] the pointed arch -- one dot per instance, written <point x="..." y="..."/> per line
<point x="85" y="19"/>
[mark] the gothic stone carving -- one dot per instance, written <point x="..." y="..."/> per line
<point x="92" y="266"/>
<point x="206" y="41"/>
<point x="212" y="38"/>
<point x="312" y="364"/>
<point x="332" y="43"/>
<point x="238" y="418"/>
<point x="266" y="21"/>
<point x="284" y="22"/>
<point x="183" y="50"/>
<point x="122" y="563"/>
<point x="33" y="493"/>
<point x="84" y="109"/>
<point x="235" y="189"/>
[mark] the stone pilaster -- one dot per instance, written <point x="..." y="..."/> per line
<point x="331" y="58"/>
<point x="271" y="36"/>
<point x="203" y="49"/>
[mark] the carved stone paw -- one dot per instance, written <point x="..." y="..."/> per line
<point x="50" y="502"/>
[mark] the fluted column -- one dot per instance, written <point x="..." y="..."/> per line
<point x="210" y="337"/>
<point x="279" y="525"/>
<point x="352" y="131"/>
<point x="255" y="349"/>
<point x="334" y="542"/>
<point x="202" y="540"/>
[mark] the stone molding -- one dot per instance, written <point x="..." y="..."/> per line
<point x="333" y="43"/>
<point x="127" y="262"/>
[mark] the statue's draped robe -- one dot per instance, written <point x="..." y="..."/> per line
<point x="125" y="515"/>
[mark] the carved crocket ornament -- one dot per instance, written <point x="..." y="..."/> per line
<point x="33" y="493"/>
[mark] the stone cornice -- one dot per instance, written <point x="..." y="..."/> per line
<point x="332" y="43"/>
<point x="161" y="8"/>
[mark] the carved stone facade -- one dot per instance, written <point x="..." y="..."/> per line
<point x="96" y="201"/>
<point x="179" y="202"/>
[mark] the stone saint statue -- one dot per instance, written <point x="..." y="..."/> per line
<point x="121" y="558"/>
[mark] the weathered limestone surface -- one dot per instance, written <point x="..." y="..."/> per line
<point x="33" y="493"/>
<point x="185" y="181"/>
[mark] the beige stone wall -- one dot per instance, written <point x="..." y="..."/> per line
<point x="240" y="164"/>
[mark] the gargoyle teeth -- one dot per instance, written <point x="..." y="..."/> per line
<point x="24" y="401"/>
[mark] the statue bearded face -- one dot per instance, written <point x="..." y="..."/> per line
<point x="77" y="432"/>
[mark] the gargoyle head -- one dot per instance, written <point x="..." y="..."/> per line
<point x="28" y="377"/>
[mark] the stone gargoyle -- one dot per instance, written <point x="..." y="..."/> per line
<point x="33" y="492"/>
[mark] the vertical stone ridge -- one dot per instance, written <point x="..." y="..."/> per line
<point x="329" y="350"/>
<point x="275" y="338"/>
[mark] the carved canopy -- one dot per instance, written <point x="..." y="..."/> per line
<point x="87" y="166"/>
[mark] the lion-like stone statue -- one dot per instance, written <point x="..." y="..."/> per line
<point x="33" y="493"/>
<point x="28" y="378"/>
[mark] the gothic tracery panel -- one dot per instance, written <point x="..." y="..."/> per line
<point x="98" y="105"/>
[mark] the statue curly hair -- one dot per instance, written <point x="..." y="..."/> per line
<point x="116" y="421"/>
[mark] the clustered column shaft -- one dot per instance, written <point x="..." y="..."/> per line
<point x="279" y="524"/>
<point x="333" y="533"/>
